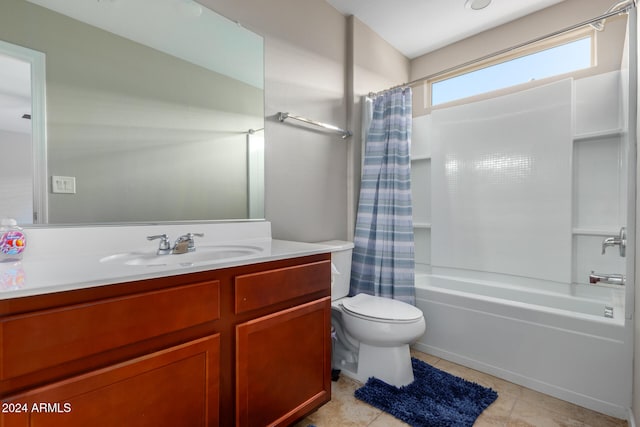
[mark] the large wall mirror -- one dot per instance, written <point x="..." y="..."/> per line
<point x="120" y="111"/>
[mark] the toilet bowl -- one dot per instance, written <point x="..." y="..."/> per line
<point x="372" y="333"/>
<point x="383" y="328"/>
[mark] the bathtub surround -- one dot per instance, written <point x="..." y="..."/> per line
<point x="513" y="288"/>
<point x="587" y="194"/>
<point x="434" y="398"/>
<point x="383" y="256"/>
<point x="501" y="184"/>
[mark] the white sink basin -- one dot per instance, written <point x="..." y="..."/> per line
<point x="202" y="255"/>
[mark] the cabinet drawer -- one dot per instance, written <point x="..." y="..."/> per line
<point x="43" y="339"/>
<point x="265" y="288"/>
<point x="178" y="386"/>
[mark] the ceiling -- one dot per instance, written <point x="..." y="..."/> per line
<point x="416" y="27"/>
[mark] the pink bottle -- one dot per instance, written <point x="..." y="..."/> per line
<point x="12" y="241"/>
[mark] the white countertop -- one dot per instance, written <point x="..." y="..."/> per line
<point x="70" y="258"/>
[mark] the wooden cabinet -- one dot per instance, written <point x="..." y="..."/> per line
<point x="267" y="288"/>
<point x="243" y="346"/>
<point x="47" y="338"/>
<point x="283" y="365"/>
<point x="177" y="386"/>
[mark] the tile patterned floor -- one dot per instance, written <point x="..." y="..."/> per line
<point x="516" y="406"/>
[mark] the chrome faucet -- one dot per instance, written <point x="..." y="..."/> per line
<point x="182" y="245"/>
<point x="185" y="243"/>
<point x="165" y="244"/>
<point x="620" y="240"/>
<point x="611" y="279"/>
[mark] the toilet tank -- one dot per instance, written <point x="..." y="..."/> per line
<point x="340" y="267"/>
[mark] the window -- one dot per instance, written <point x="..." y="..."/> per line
<point x="564" y="58"/>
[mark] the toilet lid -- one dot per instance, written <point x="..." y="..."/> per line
<point x="381" y="308"/>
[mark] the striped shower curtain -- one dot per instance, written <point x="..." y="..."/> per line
<point x="383" y="256"/>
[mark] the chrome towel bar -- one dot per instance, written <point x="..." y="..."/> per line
<point x="284" y="116"/>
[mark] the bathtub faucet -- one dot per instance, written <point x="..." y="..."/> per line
<point x="620" y="241"/>
<point x="611" y="279"/>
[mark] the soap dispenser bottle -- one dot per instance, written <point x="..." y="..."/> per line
<point x="12" y="241"/>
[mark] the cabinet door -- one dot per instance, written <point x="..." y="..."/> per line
<point x="283" y="368"/>
<point x="177" y="386"/>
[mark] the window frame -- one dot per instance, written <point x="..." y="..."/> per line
<point x="511" y="55"/>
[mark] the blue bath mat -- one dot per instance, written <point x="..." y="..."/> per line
<point x="434" y="399"/>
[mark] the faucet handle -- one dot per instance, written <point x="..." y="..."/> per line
<point x="186" y="240"/>
<point x="165" y="244"/>
<point x="189" y="237"/>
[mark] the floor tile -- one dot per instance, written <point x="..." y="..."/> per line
<point x="498" y="413"/>
<point x="551" y="404"/>
<point x="386" y="420"/>
<point x="343" y="409"/>
<point x="431" y="360"/>
<point x="516" y="406"/>
<point x="526" y="412"/>
<point x="595" y="419"/>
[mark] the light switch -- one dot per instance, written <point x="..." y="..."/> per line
<point x="63" y="184"/>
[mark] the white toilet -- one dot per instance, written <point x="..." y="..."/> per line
<point x="372" y="333"/>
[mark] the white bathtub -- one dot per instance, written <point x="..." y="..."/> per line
<point x="550" y="337"/>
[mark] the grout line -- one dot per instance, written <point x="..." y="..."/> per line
<point x="515" y="402"/>
<point x="374" y="420"/>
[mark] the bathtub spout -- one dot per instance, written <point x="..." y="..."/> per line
<point x="612" y="279"/>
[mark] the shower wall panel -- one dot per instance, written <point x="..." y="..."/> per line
<point x="501" y="184"/>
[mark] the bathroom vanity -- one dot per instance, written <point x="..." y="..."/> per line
<point x="244" y="341"/>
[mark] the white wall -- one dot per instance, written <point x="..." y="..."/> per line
<point x="311" y="176"/>
<point x="305" y="169"/>
<point x="16" y="185"/>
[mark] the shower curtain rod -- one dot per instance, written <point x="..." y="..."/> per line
<point x="592" y="21"/>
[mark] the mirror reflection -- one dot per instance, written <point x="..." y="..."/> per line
<point x="161" y="122"/>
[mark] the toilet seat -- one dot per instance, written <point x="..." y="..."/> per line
<point x="381" y="309"/>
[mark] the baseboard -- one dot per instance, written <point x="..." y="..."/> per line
<point x="531" y="383"/>
<point x="631" y="420"/>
